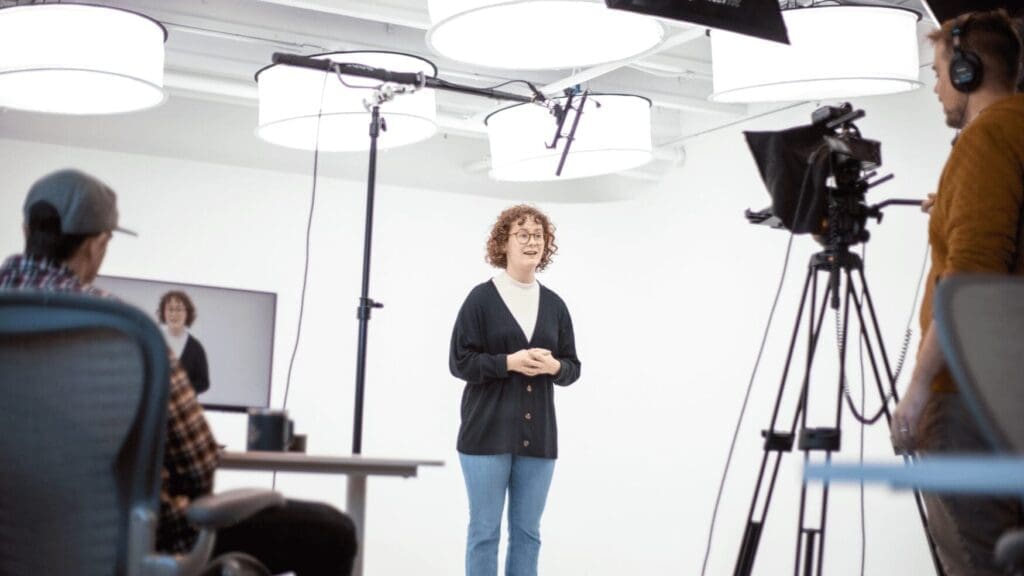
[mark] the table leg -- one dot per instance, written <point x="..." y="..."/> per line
<point x="356" y="509"/>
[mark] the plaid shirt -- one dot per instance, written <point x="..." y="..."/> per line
<point x="190" y="456"/>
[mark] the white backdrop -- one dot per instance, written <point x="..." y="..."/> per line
<point x="669" y="294"/>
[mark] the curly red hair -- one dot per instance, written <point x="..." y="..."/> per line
<point x="502" y="229"/>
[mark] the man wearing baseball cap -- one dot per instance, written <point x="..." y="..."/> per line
<point x="69" y="219"/>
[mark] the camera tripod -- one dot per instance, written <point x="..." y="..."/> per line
<point x="837" y="262"/>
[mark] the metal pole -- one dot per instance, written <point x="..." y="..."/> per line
<point x="366" y="305"/>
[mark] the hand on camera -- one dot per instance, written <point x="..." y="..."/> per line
<point x="926" y="205"/>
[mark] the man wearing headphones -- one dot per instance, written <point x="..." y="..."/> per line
<point x="975" y="227"/>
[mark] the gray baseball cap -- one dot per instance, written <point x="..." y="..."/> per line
<point x="85" y="205"/>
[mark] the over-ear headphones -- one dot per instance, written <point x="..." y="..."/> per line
<point x="965" y="68"/>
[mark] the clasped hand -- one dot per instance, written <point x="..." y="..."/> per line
<point x="533" y="362"/>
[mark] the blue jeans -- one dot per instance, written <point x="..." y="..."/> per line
<point x="487" y="478"/>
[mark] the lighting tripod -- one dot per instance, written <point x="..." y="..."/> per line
<point x="837" y="262"/>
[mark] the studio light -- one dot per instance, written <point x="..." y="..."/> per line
<point x="834" y="52"/>
<point x="538" y="34"/>
<point x="614" y="135"/>
<point x="79" y="59"/>
<point x="292" y="98"/>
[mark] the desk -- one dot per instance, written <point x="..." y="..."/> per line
<point x="356" y="467"/>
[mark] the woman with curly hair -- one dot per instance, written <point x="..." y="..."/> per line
<point x="176" y="314"/>
<point x="512" y="343"/>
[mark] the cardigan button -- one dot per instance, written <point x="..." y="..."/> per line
<point x="529" y="416"/>
<point x="529" y="387"/>
<point x="526" y="443"/>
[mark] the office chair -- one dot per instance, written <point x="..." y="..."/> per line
<point x="83" y="410"/>
<point x="979" y="321"/>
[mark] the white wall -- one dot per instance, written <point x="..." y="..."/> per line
<point x="669" y="294"/>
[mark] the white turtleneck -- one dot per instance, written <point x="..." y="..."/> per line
<point x="522" y="300"/>
<point x="175" y="343"/>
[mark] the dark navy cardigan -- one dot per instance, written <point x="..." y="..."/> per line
<point x="507" y="412"/>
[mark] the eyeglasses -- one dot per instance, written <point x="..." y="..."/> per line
<point x="524" y="237"/>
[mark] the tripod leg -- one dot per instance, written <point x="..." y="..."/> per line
<point x="918" y="500"/>
<point x="842" y="337"/>
<point x="878" y="333"/>
<point x="801" y="414"/>
<point x="806" y="541"/>
<point x="826" y="440"/>
<point x="775" y="443"/>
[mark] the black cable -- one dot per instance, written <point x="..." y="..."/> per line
<point x="305" y="268"/>
<point x="913" y="311"/>
<point x="538" y="96"/>
<point x="858" y="414"/>
<point x="338" y="75"/>
<point x="750" y="385"/>
<point x="908" y="334"/>
<point x="863" y="427"/>
<point x="533" y="88"/>
<point x="743" y="409"/>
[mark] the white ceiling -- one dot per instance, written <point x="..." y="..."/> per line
<point x="215" y="47"/>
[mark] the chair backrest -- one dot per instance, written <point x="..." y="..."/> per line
<point x="980" y="320"/>
<point x="83" y="407"/>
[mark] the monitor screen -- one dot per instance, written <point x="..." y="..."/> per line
<point x="233" y="328"/>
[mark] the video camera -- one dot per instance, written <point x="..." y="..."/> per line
<point x="818" y="176"/>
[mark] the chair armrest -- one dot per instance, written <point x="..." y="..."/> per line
<point x="208" y="514"/>
<point x="229" y="508"/>
<point x="1010" y="550"/>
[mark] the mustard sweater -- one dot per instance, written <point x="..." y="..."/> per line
<point x="975" y="224"/>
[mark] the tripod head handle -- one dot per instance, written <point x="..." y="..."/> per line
<point x="875" y="210"/>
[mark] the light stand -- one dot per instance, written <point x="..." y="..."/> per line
<point x="366" y="304"/>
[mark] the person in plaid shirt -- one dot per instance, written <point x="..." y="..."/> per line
<point x="69" y="220"/>
<point x="64" y="255"/>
